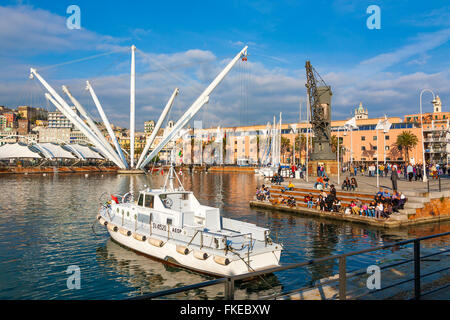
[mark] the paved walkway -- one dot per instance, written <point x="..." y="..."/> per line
<point x="369" y="184"/>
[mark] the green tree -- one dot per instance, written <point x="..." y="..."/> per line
<point x="285" y="146"/>
<point x="406" y="141"/>
<point x="334" y="143"/>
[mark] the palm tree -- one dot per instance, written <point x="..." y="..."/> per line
<point x="334" y="143"/>
<point x="406" y="141"/>
<point x="285" y="146"/>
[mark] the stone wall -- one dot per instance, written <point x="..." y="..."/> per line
<point x="439" y="205"/>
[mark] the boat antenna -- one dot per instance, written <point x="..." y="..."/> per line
<point x="172" y="174"/>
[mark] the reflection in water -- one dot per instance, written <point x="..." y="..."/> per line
<point x="46" y="226"/>
<point x="145" y="275"/>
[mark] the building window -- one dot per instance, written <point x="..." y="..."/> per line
<point x="375" y="148"/>
<point x="363" y="148"/>
<point x="386" y="137"/>
<point x="363" y="138"/>
<point x="374" y="138"/>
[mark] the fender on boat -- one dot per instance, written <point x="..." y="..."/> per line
<point x="200" y="255"/>
<point x="112" y="227"/>
<point x="125" y="232"/>
<point x="222" y="260"/>
<point x="155" y="242"/>
<point x="182" y="250"/>
<point x="102" y="221"/>
<point x="139" y="237"/>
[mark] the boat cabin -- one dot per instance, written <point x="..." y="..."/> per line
<point x="176" y="208"/>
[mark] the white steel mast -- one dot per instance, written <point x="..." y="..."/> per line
<point x="132" y="105"/>
<point x="158" y="125"/>
<point x="65" y="109"/>
<point x="90" y="122"/>
<point x="195" y="107"/>
<point x="106" y="122"/>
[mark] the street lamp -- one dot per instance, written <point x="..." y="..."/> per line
<point x="423" y="139"/>
<point x="338" y="155"/>
<point x="294" y="130"/>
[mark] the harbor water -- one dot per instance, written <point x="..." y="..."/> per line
<point x="48" y="224"/>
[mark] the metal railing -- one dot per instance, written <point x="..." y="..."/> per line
<point x="438" y="184"/>
<point x="229" y="282"/>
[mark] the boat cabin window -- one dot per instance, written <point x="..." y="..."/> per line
<point x="141" y="200"/>
<point x="148" y="201"/>
<point x="167" y="202"/>
<point x="185" y="196"/>
<point x="169" y="221"/>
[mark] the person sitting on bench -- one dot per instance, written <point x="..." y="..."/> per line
<point x="346" y="184"/>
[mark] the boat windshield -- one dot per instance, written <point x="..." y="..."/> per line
<point x="174" y="200"/>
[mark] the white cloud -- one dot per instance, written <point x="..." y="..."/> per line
<point x="251" y="94"/>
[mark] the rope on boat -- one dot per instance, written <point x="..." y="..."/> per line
<point x="249" y="267"/>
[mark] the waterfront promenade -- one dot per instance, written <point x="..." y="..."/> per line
<point x="421" y="206"/>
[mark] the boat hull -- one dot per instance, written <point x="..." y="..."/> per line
<point x="168" y="253"/>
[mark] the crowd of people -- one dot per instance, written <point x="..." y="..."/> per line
<point x="409" y="171"/>
<point x="381" y="206"/>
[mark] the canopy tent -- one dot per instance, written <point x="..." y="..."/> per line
<point x="57" y="151"/>
<point x="19" y="150"/>
<point x="86" y="152"/>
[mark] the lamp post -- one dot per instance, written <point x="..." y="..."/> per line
<point x="338" y="156"/>
<point x="294" y="130"/>
<point x="423" y="138"/>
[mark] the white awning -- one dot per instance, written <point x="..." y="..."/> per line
<point x="57" y="151"/>
<point x="86" y="152"/>
<point x="18" y="150"/>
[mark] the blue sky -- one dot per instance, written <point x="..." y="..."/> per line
<point x="185" y="44"/>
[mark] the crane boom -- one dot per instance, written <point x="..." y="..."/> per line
<point x="195" y="107"/>
<point x="320" y="110"/>
<point x="90" y="122"/>
<point x="158" y="125"/>
<point x="106" y="122"/>
<point x="62" y="106"/>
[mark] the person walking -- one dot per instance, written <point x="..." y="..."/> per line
<point x="394" y="178"/>
<point x="410" y="172"/>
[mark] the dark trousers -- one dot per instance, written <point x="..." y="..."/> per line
<point x="394" y="185"/>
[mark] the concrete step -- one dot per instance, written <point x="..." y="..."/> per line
<point x="418" y="199"/>
<point x="398" y="216"/>
<point x="413" y="205"/>
<point x="408" y="211"/>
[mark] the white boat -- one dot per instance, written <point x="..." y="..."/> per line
<point x="171" y="225"/>
<point x="267" y="172"/>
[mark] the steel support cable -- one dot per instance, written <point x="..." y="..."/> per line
<point x="82" y="59"/>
